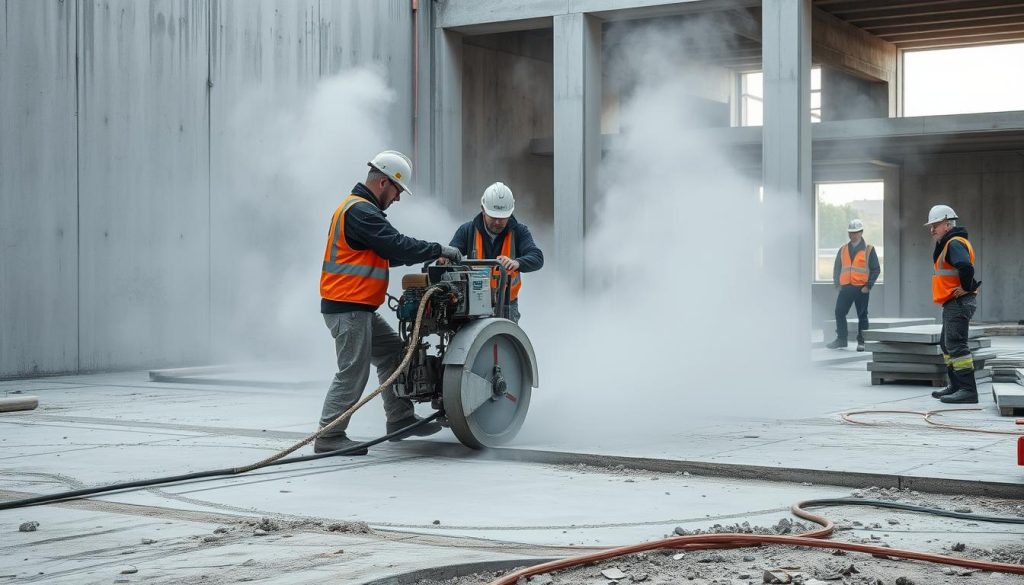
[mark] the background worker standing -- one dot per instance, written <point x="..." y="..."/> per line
<point x="496" y="234"/>
<point x="956" y="290"/>
<point x="855" y="271"/>
<point x="361" y="246"/>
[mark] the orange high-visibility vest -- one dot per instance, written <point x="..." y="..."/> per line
<point x="855" y="270"/>
<point x="946" y="277"/>
<point x="477" y="253"/>
<point x="349" y="275"/>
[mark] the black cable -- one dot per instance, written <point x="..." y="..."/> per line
<point x="909" y="508"/>
<point x="74" y="494"/>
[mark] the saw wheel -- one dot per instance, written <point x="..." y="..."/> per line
<point x="489" y="371"/>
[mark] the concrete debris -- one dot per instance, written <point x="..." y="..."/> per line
<point x="436" y="522"/>
<point x="30" y="526"/>
<point x="959" y="547"/>
<point x="350" y="527"/>
<point x="260" y="532"/>
<point x="129" y="571"/>
<point x="542" y="579"/>
<point x="748" y="559"/>
<point x="904" y="581"/>
<point x="948" y="571"/>
<point x="893" y="521"/>
<point x="613" y="573"/>
<point x="773" y="577"/>
<point x="640" y="578"/>
<point x="268" y="525"/>
<point x="148" y="541"/>
<point x="220" y="530"/>
<point x="212" y="538"/>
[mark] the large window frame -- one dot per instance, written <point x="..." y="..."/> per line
<point x="749" y="91"/>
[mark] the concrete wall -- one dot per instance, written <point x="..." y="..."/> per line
<point x="114" y="113"/>
<point x="986" y="191"/>
<point x="507" y="101"/>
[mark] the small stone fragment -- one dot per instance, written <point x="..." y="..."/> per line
<point x="893" y="521"/>
<point x="959" y="547"/>
<point x="962" y="510"/>
<point x="129" y="571"/>
<point x="211" y="538"/>
<point x="678" y="557"/>
<point x="542" y="579"/>
<point x="749" y="559"/>
<point x="220" y="530"/>
<point x="613" y="573"/>
<point x="904" y="581"/>
<point x="148" y="541"/>
<point x="639" y="578"/>
<point x="774" y="577"/>
<point x="948" y="571"/>
<point x="436" y="522"/>
<point x="30" y="526"/>
<point x="259" y="532"/>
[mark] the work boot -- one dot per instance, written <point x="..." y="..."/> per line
<point x="837" y="344"/>
<point x="944" y="392"/>
<point x="422" y="431"/>
<point x="860" y="346"/>
<point x="336" y="442"/>
<point x="961" y="397"/>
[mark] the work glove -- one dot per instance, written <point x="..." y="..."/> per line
<point x="452" y="253"/>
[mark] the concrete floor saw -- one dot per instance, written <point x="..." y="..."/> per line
<point x="477" y="366"/>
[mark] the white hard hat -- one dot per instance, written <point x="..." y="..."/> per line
<point x="940" y="213"/>
<point x="396" y="166"/>
<point x="498" y="201"/>
<point x="856" y="225"/>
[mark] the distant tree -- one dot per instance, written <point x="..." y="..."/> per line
<point x="832" y="223"/>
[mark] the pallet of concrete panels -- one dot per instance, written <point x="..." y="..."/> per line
<point x="874" y="323"/>
<point x="1010" y="397"/>
<point x="912" y="354"/>
<point x="1006" y="366"/>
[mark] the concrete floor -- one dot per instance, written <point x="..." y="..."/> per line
<point x="452" y="507"/>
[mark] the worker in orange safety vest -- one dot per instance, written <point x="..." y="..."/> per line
<point x="956" y="291"/>
<point x="361" y="246"/>
<point x="854" y="274"/>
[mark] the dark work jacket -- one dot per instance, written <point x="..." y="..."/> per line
<point x="959" y="257"/>
<point x="367" y="228"/>
<point x="525" y="250"/>
<point x="874" y="268"/>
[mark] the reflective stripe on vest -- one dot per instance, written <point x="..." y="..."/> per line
<point x="349" y="275"/>
<point x="855" y="271"/>
<point x="476" y="252"/>
<point x="945" y="276"/>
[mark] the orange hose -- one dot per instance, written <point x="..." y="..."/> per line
<point x="813" y="538"/>
<point x="848" y="417"/>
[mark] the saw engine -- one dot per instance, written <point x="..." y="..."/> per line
<point x="471" y="361"/>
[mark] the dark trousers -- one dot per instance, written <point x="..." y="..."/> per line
<point x="849" y="296"/>
<point x="956" y="321"/>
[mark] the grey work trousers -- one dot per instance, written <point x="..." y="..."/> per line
<point x="956" y="323"/>
<point x="362" y="338"/>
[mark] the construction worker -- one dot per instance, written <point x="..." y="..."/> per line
<point x="956" y="290"/>
<point x="361" y="245"/>
<point x="855" y="271"/>
<point x="496" y="234"/>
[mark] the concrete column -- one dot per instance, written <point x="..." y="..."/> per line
<point x="423" y="25"/>
<point x="577" y="134"/>
<point x="786" y="158"/>
<point x="446" y="154"/>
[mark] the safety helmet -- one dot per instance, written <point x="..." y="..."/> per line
<point x="940" y="213"/>
<point x="396" y="166"/>
<point x="498" y="201"/>
<point x="856" y="225"/>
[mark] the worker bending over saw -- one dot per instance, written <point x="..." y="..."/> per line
<point x="954" y="288"/>
<point x="495" y="234"/>
<point x="361" y="246"/>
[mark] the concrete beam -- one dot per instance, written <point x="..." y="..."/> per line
<point x="845" y="47"/>
<point x="447" y="119"/>
<point x="577" y="133"/>
<point x="475" y="16"/>
<point x="786" y="155"/>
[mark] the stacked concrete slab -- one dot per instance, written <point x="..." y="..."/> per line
<point x="1005" y="367"/>
<point x="874" y="323"/>
<point x="912" y="354"/>
<point x="1010" y="397"/>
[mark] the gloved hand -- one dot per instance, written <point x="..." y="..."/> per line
<point x="451" y="252"/>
